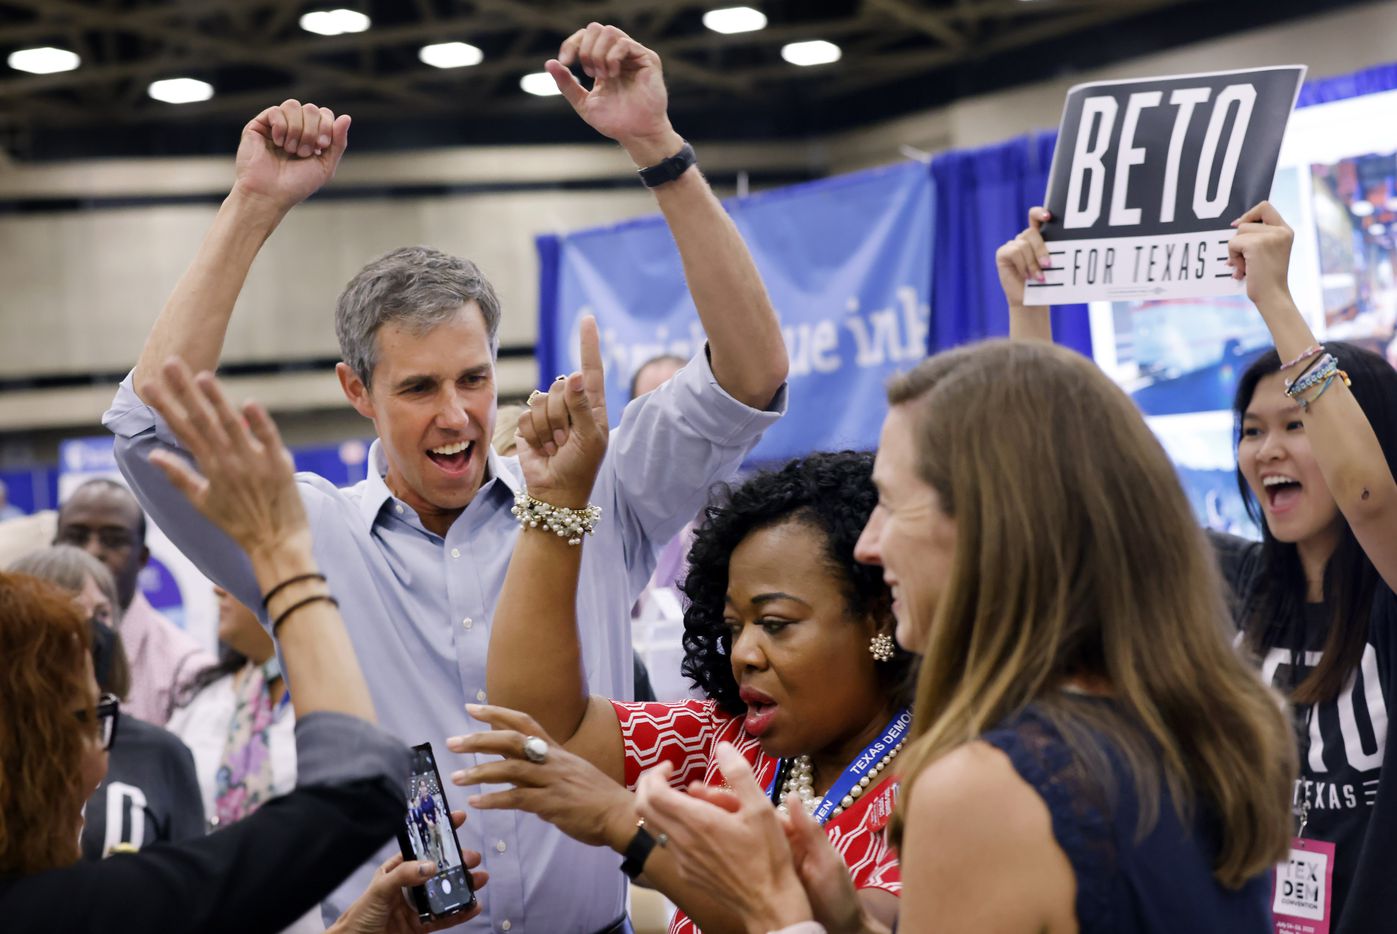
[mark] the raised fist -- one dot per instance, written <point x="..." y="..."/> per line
<point x="288" y="152"/>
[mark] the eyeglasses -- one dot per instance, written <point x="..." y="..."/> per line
<point x="109" y="538"/>
<point x="108" y="715"/>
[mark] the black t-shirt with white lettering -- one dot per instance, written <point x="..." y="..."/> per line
<point x="1352" y="802"/>
<point x="150" y="794"/>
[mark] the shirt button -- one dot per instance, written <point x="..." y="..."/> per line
<point x="505" y="925"/>
<point x="455" y="552"/>
<point x="399" y="507"/>
<point x="500" y="847"/>
<point x="467" y="623"/>
<point x="480" y="696"/>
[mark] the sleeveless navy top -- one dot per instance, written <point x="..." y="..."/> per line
<point x="1162" y="883"/>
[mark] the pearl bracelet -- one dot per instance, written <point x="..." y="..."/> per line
<point x="562" y="521"/>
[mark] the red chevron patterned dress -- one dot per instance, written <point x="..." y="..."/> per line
<point x="685" y="734"/>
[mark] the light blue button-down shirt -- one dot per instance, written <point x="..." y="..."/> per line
<point x="418" y="607"/>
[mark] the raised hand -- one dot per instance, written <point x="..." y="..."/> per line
<point x="288" y="152"/>
<point x="628" y="101"/>
<point x="246" y="482"/>
<point x="1023" y="257"/>
<point x="562" y="436"/>
<point x="1260" y="253"/>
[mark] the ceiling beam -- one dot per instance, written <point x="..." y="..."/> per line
<point x="937" y="25"/>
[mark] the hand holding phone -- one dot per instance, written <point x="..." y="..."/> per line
<point x="427" y="834"/>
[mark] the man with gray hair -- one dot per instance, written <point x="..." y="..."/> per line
<point x="417" y="553"/>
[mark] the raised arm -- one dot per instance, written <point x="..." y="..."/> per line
<point x="535" y="656"/>
<point x="1344" y="445"/>
<point x="246" y="488"/>
<point x="628" y="103"/>
<point x="1017" y="261"/>
<point x="285" y="155"/>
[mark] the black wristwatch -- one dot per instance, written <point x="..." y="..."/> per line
<point x="667" y="170"/>
<point x="637" y="851"/>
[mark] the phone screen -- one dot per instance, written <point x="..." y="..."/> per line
<point x="428" y="834"/>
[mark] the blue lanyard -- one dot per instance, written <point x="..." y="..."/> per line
<point x="863" y="764"/>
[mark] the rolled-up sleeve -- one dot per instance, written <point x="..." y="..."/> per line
<point x="335" y="749"/>
<point x="671" y="447"/>
<point x="140" y="430"/>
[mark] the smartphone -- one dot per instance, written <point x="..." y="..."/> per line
<point x="427" y="834"/>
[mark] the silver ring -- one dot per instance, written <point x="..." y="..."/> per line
<point x="535" y="396"/>
<point x="662" y="840"/>
<point x="535" y="750"/>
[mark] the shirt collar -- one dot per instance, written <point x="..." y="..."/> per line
<point x="376" y="491"/>
<point x="377" y="494"/>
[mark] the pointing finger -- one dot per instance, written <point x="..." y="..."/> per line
<point x="593" y="370"/>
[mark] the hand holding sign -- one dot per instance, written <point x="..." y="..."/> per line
<point x="1023" y="258"/>
<point x="1260" y="253"/>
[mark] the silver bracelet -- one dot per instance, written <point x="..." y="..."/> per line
<point x="562" y="521"/>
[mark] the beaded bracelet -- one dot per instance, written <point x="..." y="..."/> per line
<point x="1337" y="374"/>
<point x="562" y="521"/>
<point x="1314" y="350"/>
<point x="1325" y="368"/>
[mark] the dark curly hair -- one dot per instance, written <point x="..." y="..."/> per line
<point x="830" y="492"/>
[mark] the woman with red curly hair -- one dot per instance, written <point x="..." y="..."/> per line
<point x="48" y="708"/>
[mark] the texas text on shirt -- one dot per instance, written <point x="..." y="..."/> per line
<point x="418" y="607"/>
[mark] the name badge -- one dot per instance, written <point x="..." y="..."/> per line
<point x="1304" y="884"/>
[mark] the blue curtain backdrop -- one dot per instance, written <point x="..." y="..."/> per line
<point x="982" y="199"/>
<point x="846" y="261"/>
<point x="1373" y="80"/>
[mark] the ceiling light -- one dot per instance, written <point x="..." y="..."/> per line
<point x="735" y="19"/>
<point x="450" y="55"/>
<point x="813" y="52"/>
<point x="334" y="22"/>
<point x="1361" y="208"/>
<point x="180" y="90"/>
<point x="44" y="61"/>
<point x="540" y="83"/>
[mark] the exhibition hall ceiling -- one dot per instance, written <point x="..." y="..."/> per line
<point x="382" y="61"/>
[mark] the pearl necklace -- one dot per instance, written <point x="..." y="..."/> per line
<point x="801" y="781"/>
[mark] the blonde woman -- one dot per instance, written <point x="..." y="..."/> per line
<point x="1088" y="752"/>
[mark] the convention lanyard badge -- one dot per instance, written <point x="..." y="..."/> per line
<point x="1302" y="901"/>
<point x="862" y="765"/>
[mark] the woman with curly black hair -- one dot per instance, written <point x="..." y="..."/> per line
<point x="788" y="636"/>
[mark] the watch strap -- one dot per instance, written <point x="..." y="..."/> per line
<point x="667" y="170"/>
<point x="637" y="852"/>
